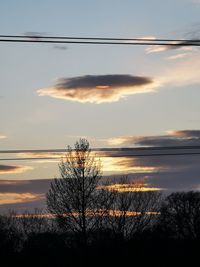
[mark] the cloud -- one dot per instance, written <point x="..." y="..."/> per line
<point x="182" y="50"/>
<point x="178" y="56"/>
<point x="3" y="136"/>
<point x="23" y="186"/>
<point x="160" y="48"/>
<point x="181" y="73"/>
<point x="11" y="198"/>
<point x="60" y="47"/>
<point x="12" y="182"/>
<point x="110" y="165"/>
<point x="21" y="195"/>
<point x="113" y="165"/>
<point x="9" y="169"/>
<point x="99" y="88"/>
<point x="174" y="45"/>
<point x="129" y="187"/>
<point x="173" y="138"/>
<point x="167" y="172"/>
<point x="170" y="172"/>
<point x="42" y="156"/>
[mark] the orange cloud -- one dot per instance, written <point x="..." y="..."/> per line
<point x="122" y="140"/>
<point x="41" y="155"/>
<point x="13" y="182"/>
<point x="47" y="157"/>
<point x="12" y="198"/>
<point x="124" y="164"/>
<point x="90" y="213"/>
<point x="129" y="187"/>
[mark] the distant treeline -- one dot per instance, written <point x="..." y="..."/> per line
<point x="161" y="234"/>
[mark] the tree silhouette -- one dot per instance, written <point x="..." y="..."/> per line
<point x="180" y="215"/>
<point x="74" y="197"/>
<point x="135" y="210"/>
<point x="29" y="223"/>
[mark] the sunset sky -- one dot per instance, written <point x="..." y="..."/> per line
<point x="115" y="96"/>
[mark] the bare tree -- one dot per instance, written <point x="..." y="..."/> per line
<point x="29" y="223"/>
<point x="118" y="211"/>
<point x="74" y="198"/>
<point x="133" y="211"/>
<point x="180" y="215"/>
<point x="146" y="207"/>
<point x="9" y="232"/>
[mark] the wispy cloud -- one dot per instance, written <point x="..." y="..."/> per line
<point x="10" y="169"/>
<point x="181" y="50"/>
<point x="160" y="48"/>
<point x="3" y="136"/>
<point x="42" y="157"/>
<point x="181" y="73"/>
<point x="99" y="88"/>
<point x="178" y="56"/>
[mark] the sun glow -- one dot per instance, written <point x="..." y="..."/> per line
<point x="89" y="213"/>
<point x="122" y="164"/>
<point x="134" y="187"/>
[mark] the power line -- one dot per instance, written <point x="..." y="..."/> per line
<point x="106" y="156"/>
<point x="102" y="149"/>
<point x="98" y="40"/>
<point x="183" y="152"/>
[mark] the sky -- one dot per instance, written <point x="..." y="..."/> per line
<point x="115" y="96"/>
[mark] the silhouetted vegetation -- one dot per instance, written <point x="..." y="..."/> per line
<point x="173" y="235"/>
<point x="74" y="198"/>
<point x="89" y="224"/>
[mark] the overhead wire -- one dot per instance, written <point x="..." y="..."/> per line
<point x="136" y="152"/>
<point x="36" y="38"/>
<point x="97" y="40"/>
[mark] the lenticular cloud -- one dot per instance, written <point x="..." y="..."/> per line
<point x="99" y="88"/>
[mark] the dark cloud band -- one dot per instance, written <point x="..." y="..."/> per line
<point x="173" y="138"/>
<point x="10" y="169"/>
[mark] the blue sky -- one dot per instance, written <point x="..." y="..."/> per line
<point x="31" y="121"/>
